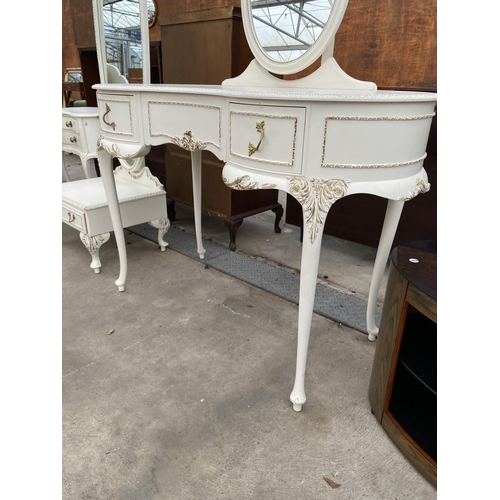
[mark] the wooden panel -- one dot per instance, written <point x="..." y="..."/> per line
<point x="422" y="302"/>
<point x="83" y="22"/>
<point x="411" y="452"/>
<point x="390" y="42"/>
<point x="203" y="47"/>
<point x="90" y="72"/>
<point x="182" y="6"/>
<point x="70" y="57"/>
<point x="216" y="196"/>
<point x="390" y="326"/>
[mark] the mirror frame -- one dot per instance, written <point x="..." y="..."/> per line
<point x="100" y="39"/>
<point x="322" y="47"/>
<point x="153" y="20"/>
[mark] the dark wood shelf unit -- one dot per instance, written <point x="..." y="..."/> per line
<point x="403" y="383"/>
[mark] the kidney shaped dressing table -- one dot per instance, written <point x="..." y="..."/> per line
<point x="319" y="139"/>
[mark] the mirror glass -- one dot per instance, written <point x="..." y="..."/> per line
<point x="285" y="30"/>
<point x="122" y="40"/>
<point x="122" y="34"/>
<point x="151" y="12"/>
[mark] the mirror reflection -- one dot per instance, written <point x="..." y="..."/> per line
<point x="122" y="33"/>
<point x="286" y="29"/>
<point x="151" y="7"/>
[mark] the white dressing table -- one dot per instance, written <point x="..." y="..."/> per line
<point x="319" y="139"/>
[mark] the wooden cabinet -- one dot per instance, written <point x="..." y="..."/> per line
<point x="403" y="383"/>
<point x="207" y="47"/>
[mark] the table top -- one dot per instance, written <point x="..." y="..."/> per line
<point x="417" y="263"/>
<point x="273" y="93"/>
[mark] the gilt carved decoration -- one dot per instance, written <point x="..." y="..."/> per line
<point x="316" y="197"/>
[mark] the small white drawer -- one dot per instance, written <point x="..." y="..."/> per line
<point x="268" y="138"/>
<point x="70" y="124"/>
<point x="117" y="114"/>
<point x="72" y="217"/>
<point x="192" y="125"/>
<point x="71" y="139"/>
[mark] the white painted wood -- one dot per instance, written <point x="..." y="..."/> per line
<point x="137" y="195"/>
<point x="80" y="131"/>
<point x="341" y="143"/>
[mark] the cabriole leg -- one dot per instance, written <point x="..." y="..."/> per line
<point x="308" y="275"/>
<point x="106" y="167"/>
<point x="93" y="244"/>
<point x="391" y="221"/>
<point x="163" y="225"/>
<point x="196" y="169"/>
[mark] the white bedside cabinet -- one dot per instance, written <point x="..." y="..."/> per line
<point x="80" y="132"/>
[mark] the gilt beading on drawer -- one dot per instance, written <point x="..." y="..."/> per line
<point x="191" y="126"/>
<point x="374" y="142"/>
<point x="116" y="113"/>
<point x="266" y="138"/>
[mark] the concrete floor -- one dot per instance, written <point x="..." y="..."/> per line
<point x="178" y="388"/>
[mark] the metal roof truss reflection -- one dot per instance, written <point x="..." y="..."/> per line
<point x="286" y="28"/>
<point x="123" y="34"/>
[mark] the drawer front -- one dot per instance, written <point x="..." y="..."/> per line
<point x="191" y="125"/>
<point x="118" y="116"/>
<point x="387" y="139"/>
<point x="73" y="218"/>
<point x="71" y="140"/>
<point x="70" y="124"/>
<point x="268" y="138"/>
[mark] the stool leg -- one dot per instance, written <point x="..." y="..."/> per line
<point x="93" y="244"/>
<point x="163" y="225"/>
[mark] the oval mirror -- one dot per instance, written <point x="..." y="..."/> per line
<point x="288" y="36"/>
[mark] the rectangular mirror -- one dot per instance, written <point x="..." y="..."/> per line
<point x="122" y="40"/>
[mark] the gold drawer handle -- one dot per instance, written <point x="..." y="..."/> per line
<point x="72" y="139"/>
<point x="71" y="217"/>
<point x="112" y="124"/>
<point x="251" y="148"/>
<point x="69" y="124"/>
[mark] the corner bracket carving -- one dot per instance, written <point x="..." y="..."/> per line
<point x="316" y="197"/>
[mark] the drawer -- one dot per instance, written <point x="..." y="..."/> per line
<point x="70" y="124"/>
<point x="118" y="116"/>
<point x="73" y="218"/>
<point x="268" y="138"/>
<point x="71" y="139"/>
<point x="191" y="125"/>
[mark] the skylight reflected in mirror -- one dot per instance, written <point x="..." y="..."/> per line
<point x="122" y="29"/>
<point x="286" y="29"/>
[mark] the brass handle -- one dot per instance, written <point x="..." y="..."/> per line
<point x="71" y="217"/>
<point x="112" y="124"/>
<point x="69" y="124"/>
<point x="72" y="139"/>
<point x="251" y="148"/>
